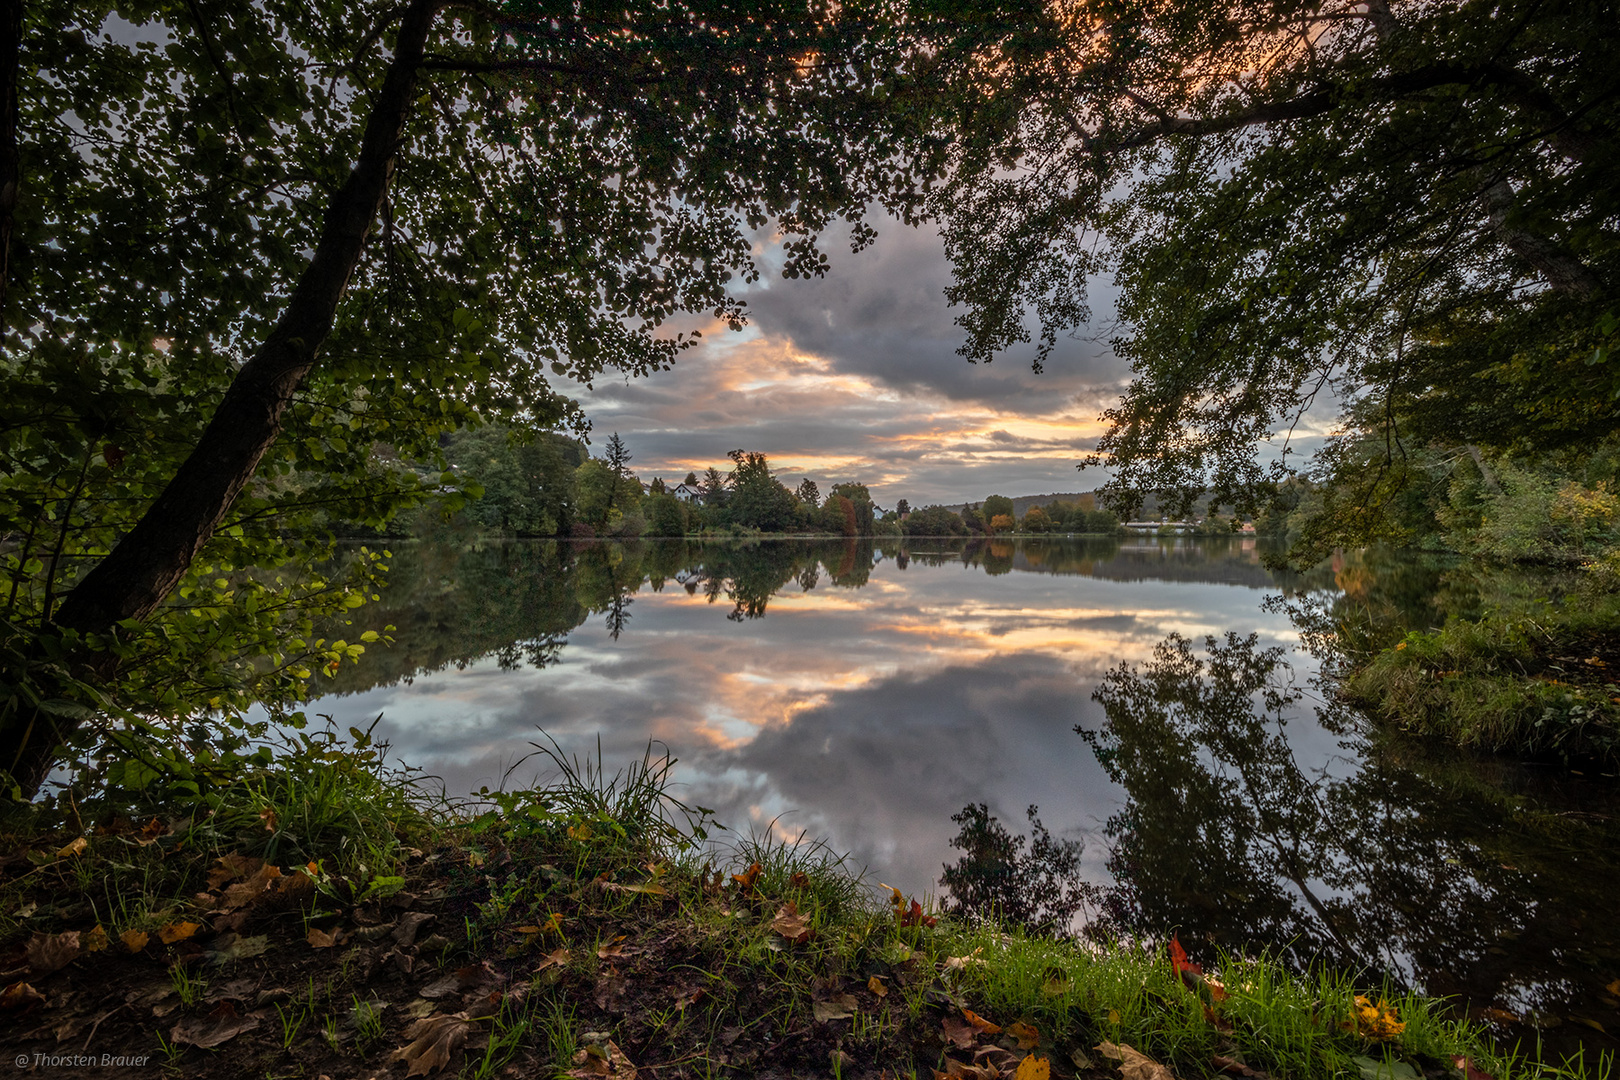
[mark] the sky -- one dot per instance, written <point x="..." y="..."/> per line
<point x="855" y="376"/>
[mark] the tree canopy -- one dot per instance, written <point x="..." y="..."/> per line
<point x="253" y="241"/>
<point x="1408" y="208"/>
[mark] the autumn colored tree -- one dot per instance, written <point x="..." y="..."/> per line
<point x="1002" y="523"/>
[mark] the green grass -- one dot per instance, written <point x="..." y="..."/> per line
<point x="615" y="855"/>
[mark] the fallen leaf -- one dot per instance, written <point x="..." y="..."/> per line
<point x="1113" y="1017"/>
<point x="75" y="848"/>
<point x="1033" y="1068"/>
<point x="1614" y="988"/>
<point x="434" y="1040"/>
<point x="555" y="958"/>
<point x="837" y="1007"/>
<point x="1028" y="1036"/>
<point x="875" y="985"/>
<point x="177" y="931"/>
<point x="1133" y="1064"/>
<point x="1469" y="1070"/>
<point x="602" y="1059"/>
<point x="419" y="1008"/>
<point x="958" y="1070"/>
<point x="1055" y="982"/>
<point x="320" y="939"/>
<point x="980" y="1022"/>
<point x="409" y="925"/>
<point x="52" y="952"/>
<point x="915" y="917"/>
<point x="687" y="997"/>
<point x="609" y="991"/>
<point x="134" y="940"/>
<point x="791" y="925"/>
<point x="268" y="816"/>
<point x="20" y="995"/>
<point x="94" y="940"/>
<point x="613" y="950"/>
<point x="959" y="1032"/>
<point x="151" y="832"/>
<point x="1376" y="1021"/>
<point x="1375" y="1069"/>
<point x="462" y="978"/>
<point x="244" y="893"/>
<point x="1235" y="1067"/>
<point x="221" y="1025"/>
<point x="230" y="867"/>
<point x="745" y="880"/>
<point x="799" y="880"/>
<point x="1178" y="959"/>
<point x="233" y="947"/>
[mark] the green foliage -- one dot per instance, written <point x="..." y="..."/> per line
<point x="933" y="521"/>
<point x="525" y="479"/>
<point x="995" y="880"/>
<point x="1416" y="204"/>
<point x="666" y="515"/>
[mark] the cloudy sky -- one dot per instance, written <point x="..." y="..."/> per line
<point x="855" y="376"/>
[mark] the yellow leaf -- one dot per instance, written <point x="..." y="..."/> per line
<point x="177" y="931"/>
<point x="134" y="940"/>
<point x="94" y="941"/>
<point x="875" y="985"/>
<point x="75" y="848"/>
<point x="1113" y="1017"/>
<point x="1033" y="1068"/>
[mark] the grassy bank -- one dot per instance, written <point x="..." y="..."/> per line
<point x="325" y="917"/>
<point x="1535" y="676"/>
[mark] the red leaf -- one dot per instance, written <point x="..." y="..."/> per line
<point x="1179" y="961"/>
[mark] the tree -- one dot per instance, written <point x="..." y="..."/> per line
<point x="861" y="503"/>
<point x="1002" y="523"/>
<point x="657" y="486"/>
<point x="230" y="263"/>
<point x="1413" y="205"/>
<point x="527" y="479"/>
<point x="691" y="480"/>
<point x="902" y="508"/>
<point x="933" y="521"/>
<point x="808" y="493"/>
<point x="666" y="515"/>
<point x="714" y="487"/>
<point x="1037" y="520"/>
<point x="758" y="500"/>
<point x="997" y="506"/>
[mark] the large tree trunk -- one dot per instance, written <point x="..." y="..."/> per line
<point x="148" y="562"/>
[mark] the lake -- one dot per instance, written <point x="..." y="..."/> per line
<point x="865" y="693"/>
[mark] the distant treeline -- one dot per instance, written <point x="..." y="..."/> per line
<point x="546" y="484"/>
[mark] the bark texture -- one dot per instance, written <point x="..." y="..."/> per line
<point x="151" y="559"/>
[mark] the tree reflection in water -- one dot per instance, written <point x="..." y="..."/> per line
<point x="1435" y="874"/>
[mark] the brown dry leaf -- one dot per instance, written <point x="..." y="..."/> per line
<point x="604" y="1059"/>
<point x="1133" y="1064"/>
<point x="244" y="893"/>
<point x="409" y="925"/>
<point x="875" y="985"/>
<point x="1033" y="1068"/>
<point x="268" y="816"/>
<point x="434" y="1040"/>
<point x="134" y="940"/>
<point x="745" y="880"/>
<point x="555" y="958"/>
<point x="687" y="997"/>
<point x="52" y="952"/>
<point x="151" y="832"/>
<point x="94" y="940"/>
<point x="799" y="880"/>
<point x="177" y="931"/>
<point x="320" y="939"/>
<point x="419" y="1008"/>
<point x="959" y="1032"/>
<point x="613" y="950"/>
<point x="221" y="1025"/>
<point x="958" y="1070"/>
<point x="461" y="979"/>
<point x="75" y="848"/>
<point x="790" y="924"/>
<point x="1027" y="1035"/>
<point x="20" y="995"/>
<point x="610" y="990"/>
<point x="837" y="1007"/>
<point x="230" y="867"/>
<point x="235" y="947"/>
<point x="1232" y="1065"/>
<point x="1055" y="983"/>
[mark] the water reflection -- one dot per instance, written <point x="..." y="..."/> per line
<point x="1431" y="874"/>
<point x="876" y="690"/>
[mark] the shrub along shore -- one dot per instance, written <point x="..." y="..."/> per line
<point x="319" y="915"/>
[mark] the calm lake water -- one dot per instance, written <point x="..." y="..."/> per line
<point x="865" y="693"/>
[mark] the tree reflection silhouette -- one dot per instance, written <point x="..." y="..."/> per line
<point x="1432" y="873"/>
